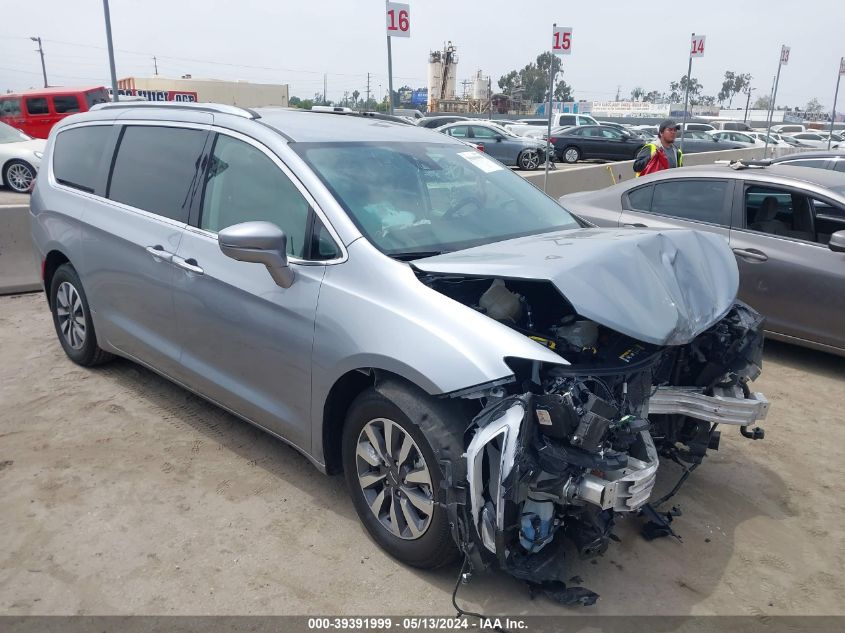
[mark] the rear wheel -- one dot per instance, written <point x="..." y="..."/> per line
<point x="19" y="176"/>
<point x="72" y="318"/>
<point x="571" y="155"/>
<point x="395" y="480"/>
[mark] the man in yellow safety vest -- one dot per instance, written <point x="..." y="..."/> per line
<point x="662" y="155"/>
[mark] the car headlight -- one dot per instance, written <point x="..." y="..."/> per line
<point x="39" y="155"/>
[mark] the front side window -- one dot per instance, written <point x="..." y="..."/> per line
<point x="779" y="212"/>
<point x="459" y="131"/>
<point x="243" y="184"/>
<point x="484" y="132"/>
<point x="78" y="154"/>
<point x="157" y="169"/>
<point x="37" y="105"/>
<point x="696" y="200"/>
<point x="412" y="199"/>
<point x="640" y="199"/>
<point x="65" y="104"/>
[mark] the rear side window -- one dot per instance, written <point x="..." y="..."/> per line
<point x="807" y="162"/>
<point x="640" y="199"/>
<point x="839" y="165"/>
<point x="37" y="105"/>
<point x="64" y="104"/>
<point x="567" y="120"/>
<point x="696" y="200"/>
<point x="77" y="156"/>
<point x="157" y="169"/>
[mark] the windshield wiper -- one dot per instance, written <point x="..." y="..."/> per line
<point x="408" y="256"/>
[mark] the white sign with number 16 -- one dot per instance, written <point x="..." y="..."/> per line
<point x="398" y="19"/>
<point x="697" y="46"/>
<point x="562" y="40"/>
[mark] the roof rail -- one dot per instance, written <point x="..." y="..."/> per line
<point x="220" y="108"/>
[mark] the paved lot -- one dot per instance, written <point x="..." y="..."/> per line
<point x="123" y="494"/>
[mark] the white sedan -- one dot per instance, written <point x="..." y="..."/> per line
<point x="737" y="137"/>
<point x="813" y="139"/>
<point x="20" y="158"/>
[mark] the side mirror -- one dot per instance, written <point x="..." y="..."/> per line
<point x="837" y="242"/>
<point x="259" y="243"/>
<point x="499" y="139"/>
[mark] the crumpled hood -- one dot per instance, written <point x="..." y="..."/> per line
<point x="663" y="287"/>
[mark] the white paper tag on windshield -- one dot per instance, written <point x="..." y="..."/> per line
<point x="481" y="161"/>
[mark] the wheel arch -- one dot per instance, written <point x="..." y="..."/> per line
<point x="49" y="266"/>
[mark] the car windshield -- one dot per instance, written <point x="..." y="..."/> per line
<point x="419" y="199"/>
<point x="8" y="134"/>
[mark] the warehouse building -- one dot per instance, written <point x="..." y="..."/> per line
<point x="241" y="93"/>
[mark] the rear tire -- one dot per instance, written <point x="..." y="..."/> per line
<point x="571" y="155"/>
<point x="417" y="533"/>
<point x="72" y="319"/>
<point x="19" y="176"/>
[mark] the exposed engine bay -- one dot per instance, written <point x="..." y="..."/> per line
<point x="563" y="451"/>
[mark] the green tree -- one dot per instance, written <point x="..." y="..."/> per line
<point x="509" y="83"/>
<point x="294" y="102"/>
<point x="733" y="84"/>
<point x="534" y="80"/>
<point x="655" y="96"/>
<point x="637" y="93"/>
<point x="677" y="90"/>
<point x="355" y="95"/>
<point x="813" y="106"/>
<point x="763" y="102"/>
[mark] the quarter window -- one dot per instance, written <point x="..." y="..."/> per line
<point x="64" y="104"/>
<point x="640" y="199"/>
<point x="696" y="200"/>
<point x="157" y="169"/>
<point x="244" y="185"/>
<point x="78" y="154"/>
<point x="37" y="105"/>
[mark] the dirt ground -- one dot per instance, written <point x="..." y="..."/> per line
<point x="121" y="493"/>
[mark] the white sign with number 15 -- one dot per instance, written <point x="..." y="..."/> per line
<point x="697" y="46"/>
<point x="398" y="19"/>
<point x="562" y="40"/>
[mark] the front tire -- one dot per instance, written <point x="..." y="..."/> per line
<point x="19" y="176"/>
<point x="529" y="160"/>
<point x="72" y="318"/>
<point x="395" y="480"/>
<point x="571" y="155"/>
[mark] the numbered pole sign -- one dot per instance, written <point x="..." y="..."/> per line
<point x="697" y="46"/>
<point x="842" y="66"/>
<point x="562" y="40"/>
<point x="398" y="19"/>
<point x="784" y="55"/>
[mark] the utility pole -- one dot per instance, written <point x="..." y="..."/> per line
<point x="367" y="102"/>
<point x="747" y="103"/>
<point x="325" y="84"/>
<point x="784" y="58"/>
<point x="107" y="16"/>
<point x="835" y="97"/>
<point x="618" y="88"/>
<point x="41" y="52"/>
<point x="155" y="63"/>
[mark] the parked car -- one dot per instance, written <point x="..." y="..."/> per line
<point x="695" y="141"/>
<point x="773" y="139"/>
<point x="786" y="226"/>
<point x="470" y="333"/>
<point x="649" y="130"/>
<point x="813" y="139"/>
<point x="698" y="127"/>
<point x="438" y="121"/>
<point x="730" y="124"/>
<point x="560" y="120"/>
<point x="595" y="141"/>
<point x="617" y="126"/>
<point x="743" y="139"/>
<point x="506" y="147"/>
<point x="36" y="112"/>
<point x="792" y="142"/>
<point x="821" y="160"/>
<point x="788" y="128"/>
<point x="20" y="158"/>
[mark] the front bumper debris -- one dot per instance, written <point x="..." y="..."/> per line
<point x="727" y="405"/>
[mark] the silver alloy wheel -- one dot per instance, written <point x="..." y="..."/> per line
<point x="394" y="478"/>
<point x="71" y="315"/>
<point x="571" y="155"/>
<point x="530" y="159"/>
<point x="19" y="177"/>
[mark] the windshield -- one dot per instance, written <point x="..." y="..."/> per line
<point x="8" y="134"/>
<point x="419" y="199"/>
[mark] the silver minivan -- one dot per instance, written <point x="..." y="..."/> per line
<point x="493" y="377"/>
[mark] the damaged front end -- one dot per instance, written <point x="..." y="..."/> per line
<point x="564" y="450"/>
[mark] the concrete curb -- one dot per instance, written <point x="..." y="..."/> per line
<point x="19" y="265"/>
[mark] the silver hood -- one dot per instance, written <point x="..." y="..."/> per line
<point x="662" y="287"/>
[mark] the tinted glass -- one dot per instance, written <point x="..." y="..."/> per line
<point x="65" y="103"/>
<point x="483" y="132"/>
<point x="157" y="169"/>
<point x="78" y="154"/>
<point x="459" y="131"/>
<point x="807" y="162"/>
<point x="567" y="120"/>
<point x="839" y="165"/>
<point x="96" y="96"/>
<point x="37" y="105"/>
<point x="10" y="107"/>
<point x="414" y="198"/>
<point x="640" y="199"/>
<point x="243" y="185"/>
<point x="697" y="200"/>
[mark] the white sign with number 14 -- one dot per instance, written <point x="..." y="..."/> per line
<point x="697" y="46"/>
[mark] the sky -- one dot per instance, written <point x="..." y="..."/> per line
<point x="616" y="45"/>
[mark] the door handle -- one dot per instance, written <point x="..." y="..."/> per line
<point x="159" y="253"/>
<point x="752" y="253"/>
<point x="636" y="225"/>
<point x="189" y="264"/>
